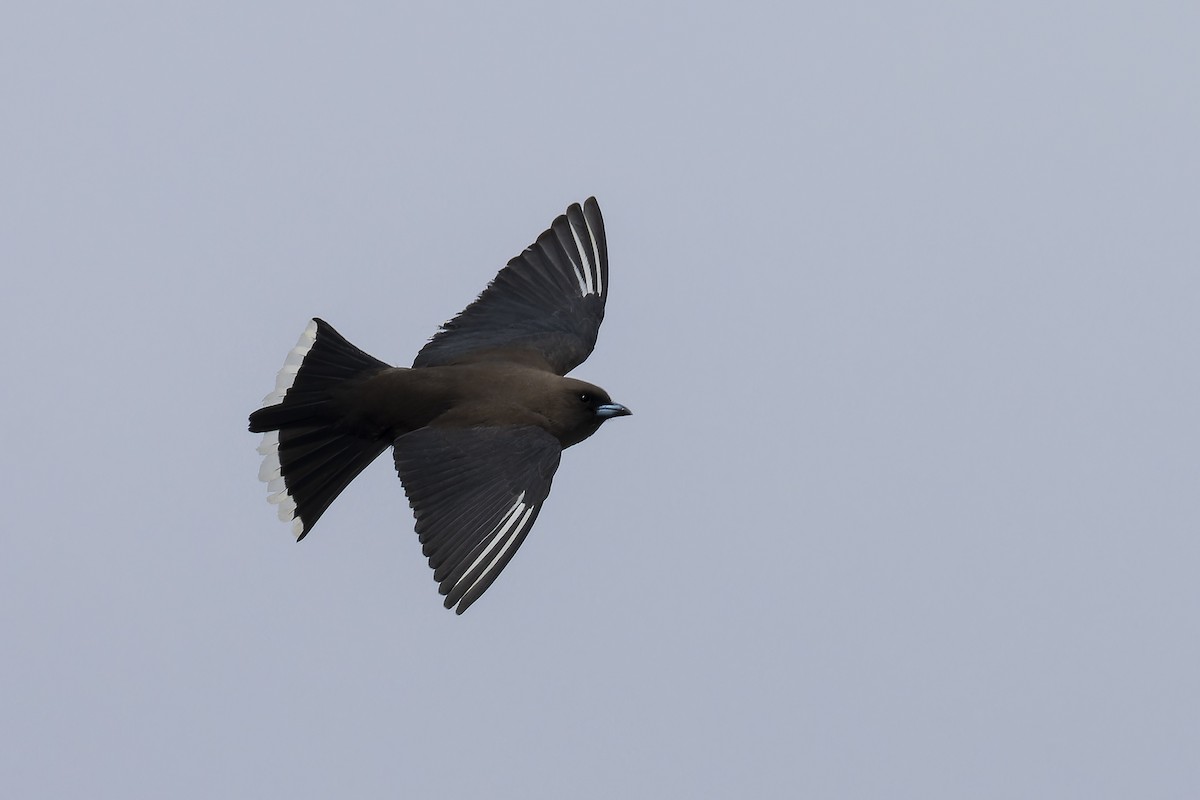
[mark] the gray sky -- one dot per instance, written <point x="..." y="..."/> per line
<point x="903" y="297"/>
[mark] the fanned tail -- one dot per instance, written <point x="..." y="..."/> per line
<point x="307" y="458"/>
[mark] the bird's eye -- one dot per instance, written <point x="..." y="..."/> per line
<point x="584" y="397"/>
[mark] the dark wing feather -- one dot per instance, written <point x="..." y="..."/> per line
<point x="475" y="492"/>
<point x="546" y="306"/>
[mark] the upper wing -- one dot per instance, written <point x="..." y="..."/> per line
<point x="475" y="493"/>
<point x="546" y="304"/>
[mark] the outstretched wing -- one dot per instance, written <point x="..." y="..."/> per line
<point x="546" y="306"/>
<point x="475" y="493"/>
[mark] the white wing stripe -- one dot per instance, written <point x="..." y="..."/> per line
<point x="596" y="254"/>
<point x="503" y="529"/>
<point x="504" y="523"/>
<point x="510" y="536"/>
<point x="588" y="268"/>
<point x="578" y="275"/>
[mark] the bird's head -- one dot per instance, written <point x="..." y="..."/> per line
<point x="580" y="409"/>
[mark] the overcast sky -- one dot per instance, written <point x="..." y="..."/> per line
<point x="903" y="298"/>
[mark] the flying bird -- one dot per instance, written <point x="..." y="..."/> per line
<point x="476" y="425"/>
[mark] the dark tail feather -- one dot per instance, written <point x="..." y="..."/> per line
<point x="307" y="458"/>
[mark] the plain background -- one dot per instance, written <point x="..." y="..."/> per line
<point x="904" y="299"/>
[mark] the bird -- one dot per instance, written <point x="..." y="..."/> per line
<point x="477" y="424"/>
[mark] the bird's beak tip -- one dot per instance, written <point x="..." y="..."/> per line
<point x="610" y="410"/>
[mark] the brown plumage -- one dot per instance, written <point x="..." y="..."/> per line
<point x="478" y="422"/>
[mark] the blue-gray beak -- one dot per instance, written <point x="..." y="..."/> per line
<point x="610" y="410"/>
